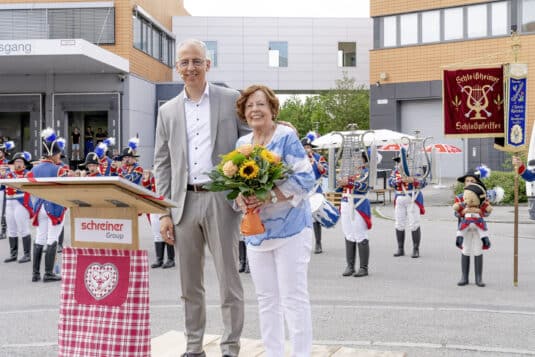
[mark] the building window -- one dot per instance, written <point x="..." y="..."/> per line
<point x="278" y="54"/>
<point x="137" y="32"/>
<point x="430" y="26"/>
<point x="93" y="25"/>
<point x="165" y="50"/>
<point x="156" y="43"/>
<point x="528" y="15"/>
<point x="453" y="23"/>
<point x="408" y="29"/>
<point x="152" y="39"/>
<point x="477" y="21"/>
<point x="211" y="47"/>
<point x="389" y="31"/>
<point x="499" y="16"/>
<point x="347" y="54"/>
<point x="96" y="25"/>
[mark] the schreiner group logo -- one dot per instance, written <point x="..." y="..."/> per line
<point x="113" y="230"/>
<point x="104" y="230"/>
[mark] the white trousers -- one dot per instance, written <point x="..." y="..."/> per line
<point x="280" y="279"/>
<point x="2" y="193"/>
<point x="407" y="213"/>
<point x="472" y="244"/>
<point x="46" y="232"/>
<point x="353" y="225"/>
<point x="17" y="219"/>
<point x="155" y="227"/>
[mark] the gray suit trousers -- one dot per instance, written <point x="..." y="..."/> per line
<point x="209" y="220"/>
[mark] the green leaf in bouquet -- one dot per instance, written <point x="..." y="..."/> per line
<point x="233" y="194"/>
<point x="238" y="159"/>
<point x="262" y="194"/>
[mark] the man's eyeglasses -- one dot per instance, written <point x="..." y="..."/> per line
<point x="197" y="62"/>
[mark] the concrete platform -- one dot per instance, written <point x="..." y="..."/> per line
<point x="171" y="344"/>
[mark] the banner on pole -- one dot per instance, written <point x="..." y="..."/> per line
<point x="473" y="104"/>
<point x="515" y="77"/>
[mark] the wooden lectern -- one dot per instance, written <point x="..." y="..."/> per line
<point x="104" y="210"/>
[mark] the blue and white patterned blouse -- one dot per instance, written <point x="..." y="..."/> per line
<point x="287" y="218"/>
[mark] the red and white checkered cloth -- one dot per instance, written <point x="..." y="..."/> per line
<point x="104" y="303"/>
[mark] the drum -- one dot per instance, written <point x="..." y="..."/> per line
<point x="323" y="211"/>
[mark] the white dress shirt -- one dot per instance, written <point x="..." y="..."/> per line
<point x="199" y="140"/>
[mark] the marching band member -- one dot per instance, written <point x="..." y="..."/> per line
<point x="356" y="218"/>
<point x="528" y="175"/>
<point x="160" y="245"/>
<point x="106" y="166"/>
<point x="4" y="148"/>
<point x="409" y="205"/>
<point x="18" y="209"/>
<point x="320" y="167"/>
<point x="48" y="216"/>
<point x="92" y="165"/>
<point x="469" y="215"/>
<point x="130" y="169"/>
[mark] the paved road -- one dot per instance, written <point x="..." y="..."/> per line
<point x="411" y="305"/>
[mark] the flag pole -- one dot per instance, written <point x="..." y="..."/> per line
<point x="515" y="231"/>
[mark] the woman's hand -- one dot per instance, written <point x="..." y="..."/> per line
<point x="252" y="202"/>
<point x="241" y="203"/>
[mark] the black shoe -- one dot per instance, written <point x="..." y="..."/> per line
<point x="318" y="249"/>
<point x="361" y="272"/>
<point x="416" y="237"/>
<point x="351" y="249"/>
<point x="13" y="249"/>
<point x="159" y="247"/>
<point x="364" y="256"/>
<point x="157" y="264"/>
<point x="36" y="277"/>
<point x="191" y="354"/>
<point x="400" y="237"/>
<point x="478" y="267"/>
<point x="465" y="269"/>
<point x="168" y="264"/>
<point x="51" y="277"/>
<point x="25" y="258"/>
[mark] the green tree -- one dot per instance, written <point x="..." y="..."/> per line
<point x="330" y="110"/>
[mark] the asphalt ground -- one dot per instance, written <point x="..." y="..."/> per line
<point x="405" y="304"/>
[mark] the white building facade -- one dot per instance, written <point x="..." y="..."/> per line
<point x="288" y="54"/>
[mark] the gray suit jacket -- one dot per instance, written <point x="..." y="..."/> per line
<point x="171" y="151"/>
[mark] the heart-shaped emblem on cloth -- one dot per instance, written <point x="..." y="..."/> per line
<point x="101" y="279"/>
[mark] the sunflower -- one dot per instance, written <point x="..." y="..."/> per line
<point x="269" y="156"/>
<point x="249" y="170"/>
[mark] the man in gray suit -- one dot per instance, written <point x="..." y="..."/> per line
<point x="193" y="129"/>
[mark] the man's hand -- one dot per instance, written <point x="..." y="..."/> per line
<point x="517" y="162"/>
<point x="342" y="182"/>
<point x="167" y="230"/>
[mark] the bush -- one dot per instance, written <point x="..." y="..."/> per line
<point x="506" y="181"/>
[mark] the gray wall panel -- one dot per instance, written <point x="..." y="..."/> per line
<point x="242" y="45"/>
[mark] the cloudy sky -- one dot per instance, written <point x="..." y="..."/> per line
<point x="279" y="8"/>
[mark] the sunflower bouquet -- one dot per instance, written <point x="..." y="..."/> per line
<point x="249" y="170"/>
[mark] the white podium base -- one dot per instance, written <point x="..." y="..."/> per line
<point x="171" y="344"/>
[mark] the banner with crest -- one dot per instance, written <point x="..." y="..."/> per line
<point x="515" y="106"/>
<point x="473" y="104"/>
